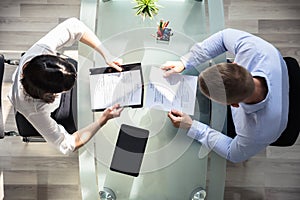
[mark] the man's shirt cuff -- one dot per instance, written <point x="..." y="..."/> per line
<point x="197" y="130"/>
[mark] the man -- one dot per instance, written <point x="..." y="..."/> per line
<point x="255" y="85"/>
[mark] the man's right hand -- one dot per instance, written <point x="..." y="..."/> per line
<point x="172" y="67"/>
<point x="180" y="119"/>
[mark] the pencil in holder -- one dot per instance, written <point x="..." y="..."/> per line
<point x="164" y="34"/>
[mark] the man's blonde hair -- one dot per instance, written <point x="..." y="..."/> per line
<point x="226" y="83"/>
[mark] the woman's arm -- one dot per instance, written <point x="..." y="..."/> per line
<point x="70" y="31"/>
<point x="82" y="136"/>
<point x="90" y="39"/>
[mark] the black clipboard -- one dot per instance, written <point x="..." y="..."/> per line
<point x="109" y="86"/>
<point x="129" y="151"/>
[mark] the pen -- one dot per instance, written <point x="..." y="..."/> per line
<point x="166" y="24"/>
<point x="160" y="23"/>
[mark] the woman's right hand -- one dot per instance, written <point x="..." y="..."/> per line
<point x="111" y="112"/>
<point x="116" y="64"/>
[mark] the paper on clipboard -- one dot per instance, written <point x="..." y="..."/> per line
<point x="174" y="92"/>
<point x="108" y="87"/>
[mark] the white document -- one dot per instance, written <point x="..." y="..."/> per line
<point x="124" y="88"/>
<point x="174" y="92"/>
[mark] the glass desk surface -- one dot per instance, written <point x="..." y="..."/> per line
<point x="174" y="166"/>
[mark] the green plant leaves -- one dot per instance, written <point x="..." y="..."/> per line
<point x="146" y="8"/>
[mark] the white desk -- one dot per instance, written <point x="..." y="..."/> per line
<point x="174" y="165"/>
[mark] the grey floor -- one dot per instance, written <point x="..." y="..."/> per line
<point x="36" y="171"/>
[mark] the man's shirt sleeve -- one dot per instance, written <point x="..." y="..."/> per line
<point x="235" y="150"/>
<point x="218" y="43"/>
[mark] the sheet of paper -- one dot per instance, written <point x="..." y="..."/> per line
<point x="174" y="92"/>
<point x="124" y="88"/>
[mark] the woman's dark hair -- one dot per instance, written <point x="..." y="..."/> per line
<point x="46" y="75"/>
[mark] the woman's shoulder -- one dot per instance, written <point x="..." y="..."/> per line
<point x="36" y="50"/>
<point x="27" y="105"/>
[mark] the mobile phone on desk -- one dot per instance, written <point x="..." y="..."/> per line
<point x="129" y="151"/>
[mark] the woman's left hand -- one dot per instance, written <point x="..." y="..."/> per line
<point x="111" y="112"/>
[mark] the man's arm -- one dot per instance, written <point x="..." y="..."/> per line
<point x="234" y="150"/>
<point x="199" y="53"/>
<point x="218" y="43"/>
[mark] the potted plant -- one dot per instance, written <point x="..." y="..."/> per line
<point x="146" y="8"/>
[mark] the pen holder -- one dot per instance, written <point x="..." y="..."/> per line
<point x="164" y="34"/>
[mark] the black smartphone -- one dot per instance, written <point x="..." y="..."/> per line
<point x="129" y="151"/>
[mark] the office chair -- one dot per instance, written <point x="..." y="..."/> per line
<point x="1" y="79"/>
<point x="62" y="116"/>
<point x="291" y="132"/>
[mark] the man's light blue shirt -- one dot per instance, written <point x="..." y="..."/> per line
<point x="256" y="125"/>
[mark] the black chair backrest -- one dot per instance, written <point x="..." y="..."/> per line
<point x="1" y="79"/>
<point x="291" y="133"/>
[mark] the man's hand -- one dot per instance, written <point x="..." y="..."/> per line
<point x="111" y="112"/>
<point x="172" y="67"/>
<point x="180" y="120"/>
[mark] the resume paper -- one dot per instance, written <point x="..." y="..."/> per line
<point x="123" y="87"/>
<point x="174" y="92"/>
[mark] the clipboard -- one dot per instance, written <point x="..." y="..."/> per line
<point x="109" y="86"/>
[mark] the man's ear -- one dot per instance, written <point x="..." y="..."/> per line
<point x="236" y="105"/>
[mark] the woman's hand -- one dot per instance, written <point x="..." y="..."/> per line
<point x="172" y="67"/>
<point x="116" y="64"/>
<point x="83" y="135"/>
<point x="180" y="120"/>
<point x="109" y="113"/>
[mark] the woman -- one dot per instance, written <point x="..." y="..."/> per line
<point x="42" y="78"/>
